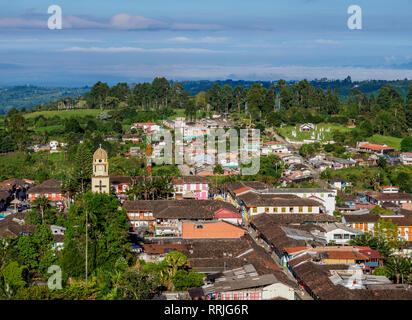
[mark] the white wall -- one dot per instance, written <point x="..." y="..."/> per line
<point x="278" y="290"/>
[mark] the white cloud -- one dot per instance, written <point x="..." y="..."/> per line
<point x="257" y="72"/>
<point x="134" y="49"/>
<point x="127" y="21"/>
<point x="200" y="40"/>
<point x="121" y="21"/>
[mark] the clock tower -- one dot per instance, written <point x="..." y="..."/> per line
<point x="100" y="178"/>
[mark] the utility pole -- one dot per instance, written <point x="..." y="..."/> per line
<point x="86" y="247"/>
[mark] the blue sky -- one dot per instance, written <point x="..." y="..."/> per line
<point x="136" y="40"/>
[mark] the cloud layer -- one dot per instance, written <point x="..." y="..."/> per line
<point x="121" y="21"/>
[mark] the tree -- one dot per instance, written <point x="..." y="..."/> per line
<point x="404" y="182"/>
<point x="36" y="250"/>
<point x="406" y="144"/>
<point x="218" y="169"/>
<point x="107" y="230"/>
<point x="42" y="203"/>
<point x="382" y="163"/>
<point x="83" y="164"/>
<point x="16" y="127"/>
<point x="184" y="280"/>
<point x="398" y="267"/>
<point x="408" y="107"/>
<point x="13" y="279"/>
<point x="137" y="285"/>
<point x="387" y="231"/>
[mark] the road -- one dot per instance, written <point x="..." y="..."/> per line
<point x="315" y="173"/>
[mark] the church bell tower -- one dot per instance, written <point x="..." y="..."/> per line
<point x="100" y="178"/>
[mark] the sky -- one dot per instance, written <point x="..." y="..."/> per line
<point x="137" y="40"/>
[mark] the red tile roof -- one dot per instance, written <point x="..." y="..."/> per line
<point x="375" y="147"/>
<point x="295" y="249"/>
<point x="241" y="190"/>
<point x="225" y="213"/>
<point x="213" y="230"/>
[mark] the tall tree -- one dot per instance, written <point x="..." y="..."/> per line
<point x="83" y="164"/>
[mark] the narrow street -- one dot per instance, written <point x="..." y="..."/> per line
<point x="302" y="294"/>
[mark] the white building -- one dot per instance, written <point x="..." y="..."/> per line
<point x="406" y="158"/>
<point x="339" y="233"/>
<point x="326" y="197"/>
<point x="53" y="146"/>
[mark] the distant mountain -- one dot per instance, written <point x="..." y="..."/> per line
<point x="344" y="86"/>
<point x="29" y="96"/>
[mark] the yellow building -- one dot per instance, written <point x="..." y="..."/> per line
<point x="100" y="178"/>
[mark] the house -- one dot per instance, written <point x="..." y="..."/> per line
<point x="320" y="281"/>
<point x="165" y="217"/>
<point x="365" y="162"/>
<point x="14" y="225"/>
<point x="379" y="198"/>
<point x="195" y="187"/>
<point x="229" y="216"/>
<point x="339" y="233"/>
<point x="53" y="146"/>
<point x="244" y="283"/>
<point x="140" y="215"/>
<point x="389" y="189"/>
<point x="120" y="185"/>
<point x="256" y="203"/>
<point x="277" y="232"/>
<point x="374" y="148"/>
<point x="230" y="191"/>
<point x="134" y="138"/>
<point x="306" y="127"/>
<point x="152" y="252"/>
<point x="51" y="189"/>
<point x="146" y="126"/>
<point x="406" y="158"/>
<point x="339" y="163"/>
<point x="211" y="230"/>
<point x="364" y="222"/>
<point x="339" y="183"/>
<point x="326" y="197"/>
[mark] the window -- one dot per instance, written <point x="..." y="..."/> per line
<point x="267" y="210"/>
<point x="254" y="210"/>
<point x="309" y="209"/>
<point x="346" y="236"/>
<point x="337" y="236"/>
<point x="300" y="209"/>
<point x="254" y="296"/>
<point x="275" y="209"/>
<point x="291" y="209"/>
<point x="283" y="210"/>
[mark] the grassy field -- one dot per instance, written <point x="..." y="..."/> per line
<point x="64" y="113"/>
<point x="390" y="141"/>
<point x="179" y="113"/>
<point x="300" y="136"/>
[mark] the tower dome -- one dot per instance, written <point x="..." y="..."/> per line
<point x="100" y="154"/>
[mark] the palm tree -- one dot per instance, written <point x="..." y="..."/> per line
<point x="43" y="203"/>
<point x="398" y="267"/>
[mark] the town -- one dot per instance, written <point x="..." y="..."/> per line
<point x="328" y="216"/>
<point x="193" y="159"/>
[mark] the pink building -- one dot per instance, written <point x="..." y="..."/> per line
<point x="191" y="187"/>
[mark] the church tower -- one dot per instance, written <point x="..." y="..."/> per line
<point x="100" y="178"/>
